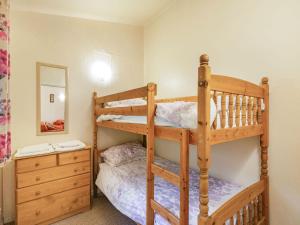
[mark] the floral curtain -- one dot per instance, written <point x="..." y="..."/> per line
<point x="5" y="136"/>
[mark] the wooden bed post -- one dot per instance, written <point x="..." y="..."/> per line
<point x="264" y="143"/>
<point x="184" y="177"/>
<point x="95" y="148"/>
<point x="204" y="76"/>
<point x="150" y="151"/>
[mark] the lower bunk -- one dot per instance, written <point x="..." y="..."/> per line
<point x="125" y="187"/>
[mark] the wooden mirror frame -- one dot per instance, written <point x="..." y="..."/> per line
<point x="38" y="99"/>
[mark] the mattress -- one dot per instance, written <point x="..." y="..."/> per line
<point x="174" y="114"/>
<point x="125" y="187"/>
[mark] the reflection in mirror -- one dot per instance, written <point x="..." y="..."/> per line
<point x="52" y="98"/>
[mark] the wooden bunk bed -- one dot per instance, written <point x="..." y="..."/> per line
<point x="251" y="206"/>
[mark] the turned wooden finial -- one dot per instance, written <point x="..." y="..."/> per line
<point x="204" y="59"/>
<point x="152" y="87"/>
<point x="265" y="80"/>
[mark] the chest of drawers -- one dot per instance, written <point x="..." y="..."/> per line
<point x="52" y="187"/>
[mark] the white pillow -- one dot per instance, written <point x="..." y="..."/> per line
<point x="124" y="153"/>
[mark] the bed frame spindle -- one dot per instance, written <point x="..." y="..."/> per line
<point x="245" y="218"/>
<point x="231" y="108"/>
<point x="215" y="98"/>
<point x="223" y="110"/>
<point x="254" y="111"/>
<point x="244" y="110"/>
<point x="249" y="111"/>
<point x="259" y="113"/>
<point x="238" y="111"/>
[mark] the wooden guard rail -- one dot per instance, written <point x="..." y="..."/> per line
<point x="243" y="209"/>
<point x="131" y="94"/>
<point x="131" y="111"/>
<point x="235" y="86"/>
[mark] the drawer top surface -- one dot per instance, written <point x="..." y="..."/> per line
<point x="52" y="153"/>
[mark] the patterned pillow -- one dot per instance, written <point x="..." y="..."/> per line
<point x="124" y="153"/>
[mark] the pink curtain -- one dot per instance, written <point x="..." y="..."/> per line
<point x="5" y="135"/>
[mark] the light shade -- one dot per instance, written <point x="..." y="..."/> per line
<point x="62" y="97"/>
<point x="101" y="71"/>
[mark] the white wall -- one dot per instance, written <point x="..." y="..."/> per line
<point x="247" y="39"/>
<point x="52" y="76"/>
<point x="75" y="43"/>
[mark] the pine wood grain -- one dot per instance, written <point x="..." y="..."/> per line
<point x="165" y="213"/>
<point x="130" y="111"/>
<point x="37" y="211"/>
<point x="151" y="92"/>
<point x="74" y="157"/>
<point x="165" y="174"/>
<point x="184" y="178"/>
<point x="203" y="141"/>
<point x="46" y="189"/>
<point x="131" y="94"/>
<point x="50" y="174"/>
<point x="264" y="142"/>
<point x="45" y="195"/>
<point x="34" y="163"/>
<point x="235" y="86"/>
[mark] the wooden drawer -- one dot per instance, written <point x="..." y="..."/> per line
<point x="50" y="174"/>
<point x="35" y="163"/>
<point x="47" y="208"/>
<point x="74" y="157"/>
<point x="42" y="190"/>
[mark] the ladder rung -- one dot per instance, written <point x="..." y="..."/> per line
<point x="170" y="217"/>
<point x="165" y="174"/>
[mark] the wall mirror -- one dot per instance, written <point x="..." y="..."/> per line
<point x="52" y="99"/>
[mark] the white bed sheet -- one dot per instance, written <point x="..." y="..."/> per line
<point x="125" y="187"/>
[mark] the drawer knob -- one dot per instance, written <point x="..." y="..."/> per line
<point x="75" y="184"/>
<point x="75" y="201"/>
<point x="75" y="158"/>
<point x="37" y="179"/>
<point x="37" y="193"/>
<point x="37" y="165"/>
<point x="37" y="213"/>
<point x="75" y="170"/>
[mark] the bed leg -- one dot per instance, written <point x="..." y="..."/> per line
<point x="95" y="166"/>
<point x="264" y="143"/>
<point x="150" y="152"/>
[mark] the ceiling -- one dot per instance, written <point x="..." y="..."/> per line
<point x="134" y="12"/>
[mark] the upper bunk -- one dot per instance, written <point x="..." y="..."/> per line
<point x="241" y="109"/>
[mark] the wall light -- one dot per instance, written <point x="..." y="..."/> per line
<point x="61" y="97"/>
<point x="101" y="71"/>
<point x="100" y="68"/>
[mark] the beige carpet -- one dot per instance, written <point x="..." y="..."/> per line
<point x="102" y="213"/>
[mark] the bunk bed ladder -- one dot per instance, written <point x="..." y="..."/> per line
<point x="181" y="181"/>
